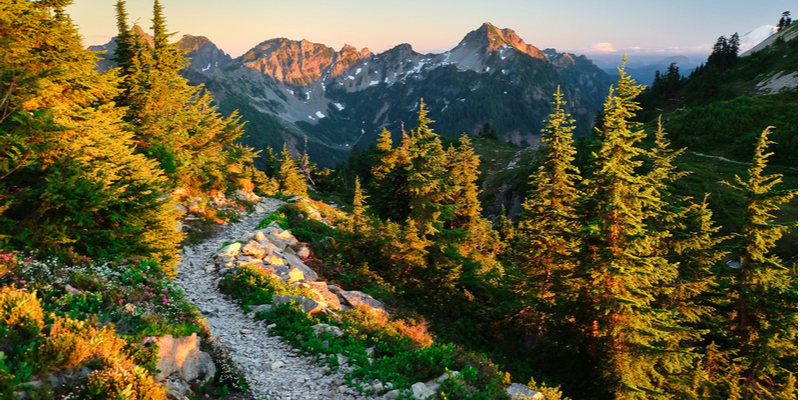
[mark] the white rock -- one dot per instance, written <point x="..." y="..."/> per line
<point x="277" y="364"/>
<point x="524" y="393"/>
<point x="420" y="391"/>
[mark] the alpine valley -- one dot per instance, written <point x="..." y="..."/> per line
<point x="339" y="99"/>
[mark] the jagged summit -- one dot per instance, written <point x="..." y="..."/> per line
<point x="300" y="62"/>
<point x="192" y="43"/>
<point x="490" y="38"/>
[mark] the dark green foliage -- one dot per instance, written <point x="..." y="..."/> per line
<point x="743" y="115"/>
<point x="762" y="296"/>
<point x="121" y="301"/>
<point x="69" y="175"/>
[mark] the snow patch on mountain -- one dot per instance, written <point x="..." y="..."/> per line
<point x="756" y="36"/>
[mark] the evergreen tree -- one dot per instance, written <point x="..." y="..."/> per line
<point x="127" y="47"/>
<point x="733" y="49"/>
<point x="785" y="20"/>
<point x="269" y="163"/>
<point x="68" y="173"/>
<point x="291" y="180"/>
<point x="359" y="208"/>
<point x="637" y="344"/>
<point x="384" y="157"/>
<point x="175" y="123"/>
<point x="391" y="198"/>
<point x="763" y="293"/>
<point x="427" y="177"/>
<point x="548" y="228"/>
<point x="463" y="168"/>
<point x="691" y="241"/>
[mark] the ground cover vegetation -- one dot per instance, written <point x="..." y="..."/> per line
<point x="71" y="327"/>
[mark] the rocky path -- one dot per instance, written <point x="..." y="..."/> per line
<point x="274" y="369"/>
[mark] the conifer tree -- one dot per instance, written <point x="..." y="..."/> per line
<point x="175" y="123"/>
<point x="763" y="291"/>
<point x="427" y="177"/>
<point x="269" y="162"/>
<point x="692" y="240"/>
<point x="385" y="157"/>
<point x="359" y="208"/>
<point x="127" y="47"/>
<point x="637" y="344"/>
<point x="390" y="177"/>
<point x="548" y="226"/>
<point x="291" y="180"/>
<point x="463" y="168"/>
<point x="69" y="176"/>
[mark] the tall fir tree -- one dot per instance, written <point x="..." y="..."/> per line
<point x="692" y="241"/>
<point x="291" y="179"/>
<point x="70" y="178"/>
<point x="548" y="227"/>
<point x="359" y="207"/>
<point x="384" y="156"/>
<point x="637" y="344"/>
<point x="127" y="47"/>
<point x="463" y="173"/>
<point x="175" y="123"/>
<point x="427" y="177"/>
<point x="390" y="178"/>
<point x="763" y="291"/>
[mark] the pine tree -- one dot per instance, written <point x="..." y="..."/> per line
<point x="463" y="167"/>
<point x="384" y="157"/>
<point x="691" y="241"/>
<point x="427" y="177"/>
<point x="390" y="177"/>
<point x="359" y="208"/>
<point x="291" y="180"/>
<point x="637" y="345"/>
<point x="69" y="176"/>
<point x="547" y="230"/>
<point x="176" y="124"/>
<point x="269" y="163"/>
<point x="763" y="291"/>
<point x="127" y="47"/>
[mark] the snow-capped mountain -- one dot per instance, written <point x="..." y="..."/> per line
<point x="754" y="37"/>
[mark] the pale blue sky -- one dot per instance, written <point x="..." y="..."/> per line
<point x="579" y="26"/>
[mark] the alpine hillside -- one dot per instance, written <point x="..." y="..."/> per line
<point x="289" y="89"/>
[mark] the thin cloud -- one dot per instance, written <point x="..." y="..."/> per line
<point x="602" y="47"/>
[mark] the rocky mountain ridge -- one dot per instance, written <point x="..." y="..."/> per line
<point x="290" y="89"/>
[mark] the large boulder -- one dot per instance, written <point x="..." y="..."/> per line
<point x="256" y="249"/>
<point x="420" y="391"/>
<point x="294" y="261"/>
<point x="519" y="391"/>
<point x="354" y="298"/>
<point x="229" y="252"/>
<point x="328" y="297"/>
<point x="182" y="357"/>
<point x="308" y="306"/>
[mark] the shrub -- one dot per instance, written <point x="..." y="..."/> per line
<point x="253" y="285"/>
<point x="72" y="343"/>
<point x="21" y="316"/>
<point x="122" y="382"/>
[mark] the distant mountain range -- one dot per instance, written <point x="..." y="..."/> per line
<point x="289" y="89"/>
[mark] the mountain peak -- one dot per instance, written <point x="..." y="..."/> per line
<point x="491" y="38"/>
<point x="191" y="43"/>
<point x="300" y="62"/>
